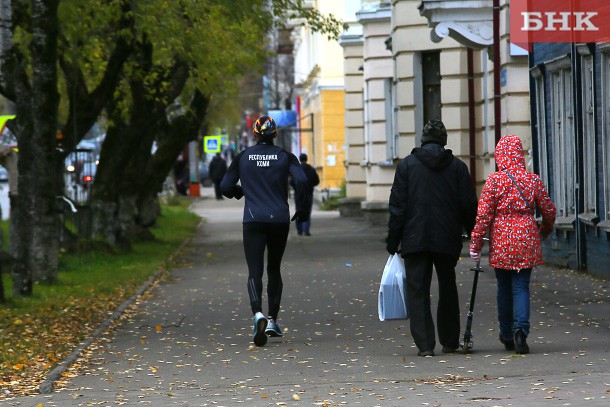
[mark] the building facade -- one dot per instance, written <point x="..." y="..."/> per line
<point x="413" y="70"/>
<point x="319" y="78"/>
<point x="571" y="129"/>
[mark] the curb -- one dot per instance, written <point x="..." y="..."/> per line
<point x="48" y="384"/>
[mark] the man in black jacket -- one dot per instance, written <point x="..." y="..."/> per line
<point x="431" y="203"/>
<point x="303" y="227"/>
<point x="218" y="169"/>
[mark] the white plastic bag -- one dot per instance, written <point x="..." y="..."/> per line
<point x="392" y="290"/>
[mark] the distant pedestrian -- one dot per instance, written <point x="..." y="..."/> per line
<point x="181" y="175"/>
<point x="506" y="209"/>
<point x="431" y="203"/>
<point x="263" y="170"/>
<point x="303" y="227"/>
<point x="218" y="169"/>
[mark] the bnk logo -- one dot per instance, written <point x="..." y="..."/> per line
<point x="533" y="21"/>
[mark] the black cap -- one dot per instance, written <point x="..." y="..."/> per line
<point x="434" y="132"/>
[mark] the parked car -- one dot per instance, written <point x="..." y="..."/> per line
<point x="87" y="174"/>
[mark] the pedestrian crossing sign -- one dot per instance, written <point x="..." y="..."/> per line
<point x="212" y="144"/>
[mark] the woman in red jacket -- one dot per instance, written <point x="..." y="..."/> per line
<point x="506" y="209"/>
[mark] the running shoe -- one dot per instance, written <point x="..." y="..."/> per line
<point x="273" y="329"/>
<point x="260" y="324"/>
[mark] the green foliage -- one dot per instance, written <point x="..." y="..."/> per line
<point x="332" y="203"/>
<point x="325" y="24"/>
<point x="220" y="40"/>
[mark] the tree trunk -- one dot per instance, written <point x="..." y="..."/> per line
<point x="122" y="144"/>
<point x="173" y="138"/>
<point x="34" y="210"/>
<point x="114" y="157"/>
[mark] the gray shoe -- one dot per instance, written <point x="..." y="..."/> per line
<point x="273" y="329"/>
<point x="260" y="324"/>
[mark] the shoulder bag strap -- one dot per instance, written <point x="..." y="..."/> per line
<point x="520" y="191"/>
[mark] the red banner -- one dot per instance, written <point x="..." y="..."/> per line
<point x="533" y="21"/>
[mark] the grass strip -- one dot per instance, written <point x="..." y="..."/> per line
<point x="39" y="331"/>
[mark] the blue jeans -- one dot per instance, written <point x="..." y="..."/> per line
<point x="303" y="227"/>
<point x="513" y="301"/>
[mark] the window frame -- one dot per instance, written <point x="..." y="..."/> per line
<point x="540" y="106"/>
<point x="431" y="84"/>
<point x="563" y="147"/>
<point x="589" y="133"/>
<point x="605" y="108"/>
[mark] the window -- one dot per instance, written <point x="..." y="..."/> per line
<point x="588" y="119"/>
<point x="562" y="115"/>
<point x="391" y="136"/>
<point x="543" y="155"/>
<point x="431" y="72"/>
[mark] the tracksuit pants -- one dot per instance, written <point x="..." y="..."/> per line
<point x="258" y="237"/>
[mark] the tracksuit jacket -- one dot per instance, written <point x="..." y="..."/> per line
<point x="263" y="170"/>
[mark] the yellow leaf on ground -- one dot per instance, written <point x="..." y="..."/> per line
<point x="158" y="328"/>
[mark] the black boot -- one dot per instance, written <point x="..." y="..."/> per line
<point x="508" y="344"/>
<point x="521" y="347"/>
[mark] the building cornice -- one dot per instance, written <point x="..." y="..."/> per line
<point x="380" y="13"/>
<point x="469" y="22"/>
<point x="351" y="40"/>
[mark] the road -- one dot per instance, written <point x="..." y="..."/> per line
<point x="189" y="341"/>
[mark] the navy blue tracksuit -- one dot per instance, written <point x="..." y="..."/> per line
<point x="263" y="170"/>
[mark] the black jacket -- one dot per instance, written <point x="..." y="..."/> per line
<point x="432" y="203"/>
<point x="263" y="170"/>
<point x="218" y="168"/>
<point x="312" y="180"/>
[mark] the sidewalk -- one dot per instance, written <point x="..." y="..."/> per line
<point x="335" y="350"/>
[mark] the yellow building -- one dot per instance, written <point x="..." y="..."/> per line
<point x="319" y="77"/>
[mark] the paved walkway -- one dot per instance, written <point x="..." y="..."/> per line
<point x="335" y="350"/>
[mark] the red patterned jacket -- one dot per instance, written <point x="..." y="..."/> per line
<point x="514" y="238"/>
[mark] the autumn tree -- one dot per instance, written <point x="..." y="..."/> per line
<point x="133" y="59"/>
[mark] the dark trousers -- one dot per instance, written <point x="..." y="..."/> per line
<point x="419" y="277"/>
<point x="303" y="227"/>
<point x="217" y="189"/>
<point x="259" y="236"/>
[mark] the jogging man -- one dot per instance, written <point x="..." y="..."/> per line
<point x="263" y="170"/>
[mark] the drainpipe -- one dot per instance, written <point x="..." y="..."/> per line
<point x="579" y="197"/>
<point x="497" y="68"/>
<point x="471" y="117"/>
